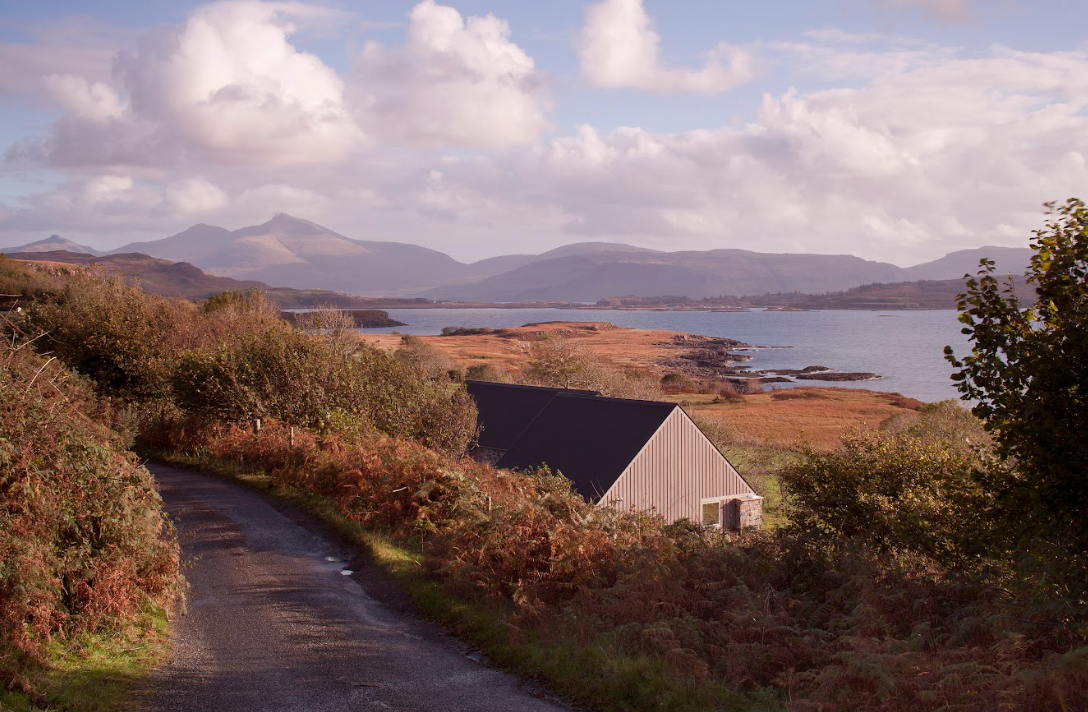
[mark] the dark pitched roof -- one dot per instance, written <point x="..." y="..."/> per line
<point x="591" y="440"/>
<point x="506" y="410"/>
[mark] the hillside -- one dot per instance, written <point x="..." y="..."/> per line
<point x="504" y="263"/>
<point x="169" y="279"/>
<point x="1008" y="260"/>
<point x="593" y="276"/>
<point x="923" y="294"/>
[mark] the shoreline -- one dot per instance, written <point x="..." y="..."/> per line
<point x="655" y="352"/>
<point x="573" y="306"/>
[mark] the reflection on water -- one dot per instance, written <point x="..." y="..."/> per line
<point x="906" y="348"/>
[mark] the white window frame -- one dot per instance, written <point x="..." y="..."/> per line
<point x="720" y="501"/>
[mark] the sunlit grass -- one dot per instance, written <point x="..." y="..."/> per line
<point x="95" y="672"/>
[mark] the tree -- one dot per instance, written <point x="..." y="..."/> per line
<point x="565" y="363"/>
<point x="1027" y="375"/>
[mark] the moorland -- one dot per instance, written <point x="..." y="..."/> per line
<point x="893" y="575"/>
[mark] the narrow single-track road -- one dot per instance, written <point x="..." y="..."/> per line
<point x="276" y="622"/>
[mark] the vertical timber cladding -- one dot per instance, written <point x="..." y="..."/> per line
<point x="674" y="472"/>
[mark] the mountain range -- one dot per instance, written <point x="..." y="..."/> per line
<point x="293" y="252"/>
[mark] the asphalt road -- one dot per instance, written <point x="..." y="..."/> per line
<point x="275" y="622"/>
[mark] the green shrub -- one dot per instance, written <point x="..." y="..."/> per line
<point x="306" y="380"/>
<point x="896" y="492"/>
<point x="234" y="358"/>
<point x="470" y="331"/>
<point x="122" y="337"/>
<point x="678" y="383"/>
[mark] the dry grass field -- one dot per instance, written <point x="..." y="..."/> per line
<point x="509" y="349"/>
<point x="796" y="417"/>
<point x="782" y="418"/>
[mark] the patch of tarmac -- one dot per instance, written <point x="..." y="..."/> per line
<point x="284" y="615"/>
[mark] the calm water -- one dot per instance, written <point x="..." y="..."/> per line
<point x="906" y="348"/>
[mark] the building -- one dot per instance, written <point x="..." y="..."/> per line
<point x="630" y="454"/>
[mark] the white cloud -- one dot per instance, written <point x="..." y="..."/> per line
<point x="227" y="87"/>
<point x="619" y="48"/>
<point x="107" y="189"/>
<point x="96" y="101"/>
<point x="195" y="196"/>
<point x="931" y="154"/>
<point x="454" y="82"/>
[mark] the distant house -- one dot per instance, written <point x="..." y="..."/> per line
<point x="628" y="454"/>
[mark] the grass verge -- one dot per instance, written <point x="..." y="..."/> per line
<point x="567" y="657"/>
<point x="95" y="672"/>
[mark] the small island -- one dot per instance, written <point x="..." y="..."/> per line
<point x="362" y="318"/>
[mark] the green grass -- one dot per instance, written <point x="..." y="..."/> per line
<point x="566" y="656"/>
<point x="95" y="672"/>
<point x="760" y="464"/>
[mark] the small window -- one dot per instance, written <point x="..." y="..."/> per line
<point x="712" y="514"/>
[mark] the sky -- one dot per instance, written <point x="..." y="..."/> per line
<point x="895" y="130"/>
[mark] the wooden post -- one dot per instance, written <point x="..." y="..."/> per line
<point x="257" y="426"/>
<point x="291" y="437"/>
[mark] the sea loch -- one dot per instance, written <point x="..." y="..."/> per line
<point x="904" y="347"/>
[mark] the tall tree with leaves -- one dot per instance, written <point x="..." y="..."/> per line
<point x="1027" y="375"/>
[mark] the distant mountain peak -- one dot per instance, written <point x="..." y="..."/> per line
<point x="288" y="225"/>
<point x="53" y="243"/>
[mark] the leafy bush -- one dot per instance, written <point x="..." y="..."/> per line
<point x="895" y="492"/>
<point x="84" y="542"/>
<point x="233" y="358"/>
<point x="678" y="383"/>
<point x="304" y="379"/>
<point x="122" y="337"/>
<point x="745" y="386"/>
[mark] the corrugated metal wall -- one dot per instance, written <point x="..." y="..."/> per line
<point x="676" y="469"/>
